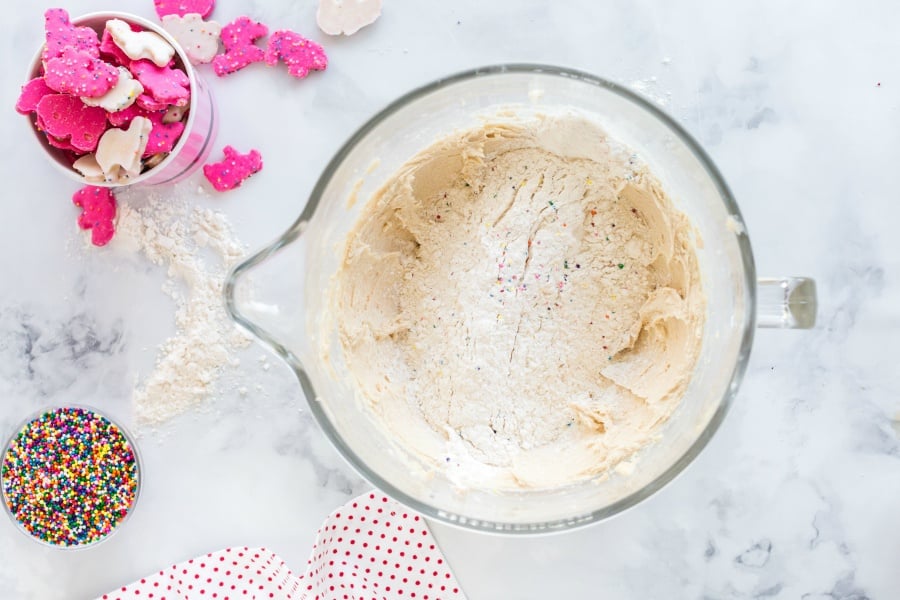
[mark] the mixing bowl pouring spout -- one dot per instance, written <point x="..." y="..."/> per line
<point x="262" y="294"/>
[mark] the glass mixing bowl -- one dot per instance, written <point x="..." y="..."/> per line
<point x="279" y="293"/>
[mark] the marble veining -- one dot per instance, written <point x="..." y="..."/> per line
<point x="45" y="355"/>
<point x="796" y="496"/>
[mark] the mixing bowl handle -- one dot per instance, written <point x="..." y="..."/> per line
<point x="786" y="302"/>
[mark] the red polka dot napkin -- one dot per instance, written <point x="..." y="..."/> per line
<point x="370" y="549"/>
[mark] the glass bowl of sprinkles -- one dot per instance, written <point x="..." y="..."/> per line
<point x="70" y="477"/>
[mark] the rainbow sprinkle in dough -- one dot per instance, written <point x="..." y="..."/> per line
<point x="69" y="477"/>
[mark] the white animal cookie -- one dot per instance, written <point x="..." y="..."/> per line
<point x="119" y="151"/>
<point x="89" y="168"/>
<point x="174" y="114"/>
<point x="140" y="44"/>
<point x="346" y="16"/>
<point x="199" y="38"/>
<point x="121" y="96"/>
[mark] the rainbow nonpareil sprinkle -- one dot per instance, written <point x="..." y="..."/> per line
<point x="69" y="477"/>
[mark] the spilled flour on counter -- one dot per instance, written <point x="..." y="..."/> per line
<point x="197" y="248"/>
<point x="650" y="88"/>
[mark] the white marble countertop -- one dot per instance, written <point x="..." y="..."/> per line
<point x="797" y="495"/>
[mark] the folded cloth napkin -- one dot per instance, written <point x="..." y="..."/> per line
<point x="372" y="548"/>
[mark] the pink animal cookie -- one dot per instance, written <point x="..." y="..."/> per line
<point x="231" y="172"/>
<point x="123" y="117"/>
<point x="67" y="118"/>
<point x="240" y="51"/>
<point x="61" y="34"/>
<point x="80" y="74"/>
<point x="164" y="85"/>
<point x="147" y="102"/>
<point x="32" y="92"/>
<point x="298" y="53"/>
<point x="183" y="7"/>
<point x="62" y="144"/>
<point x="98" y="212"/>
<point x="163" y="136"/>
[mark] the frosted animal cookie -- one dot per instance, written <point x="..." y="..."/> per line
<point x="121" y="96"/>
<point x="32" y="92"/>
<point x="240" y="51"/>
<point x="62" y="144"/>
<point x="66" y="117"/>
<point x="154" y="160"/>
<point x="174" y="113"/>
<point x="163" y="136"/>
<point x="61" y="34"/>
<point x="80" y="74"/>
<point x="346" y="16"/>
<point x="98" y="212"/>
<point x="89" y="168"/>
<point x="140" y="44"/>
<point x="119" y="151"/>
<point x="165" y="85"/>
<point x="199" y="38"/>
<point x="231" y="172"/>
<point x="124" y="117"/>
<point x="181" y="8"/>
<point x="146" y="102"/>
<point x="299" y="54"/>
<point x="109" y="50"/>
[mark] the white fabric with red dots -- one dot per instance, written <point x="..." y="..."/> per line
<point x="370" y="549"/>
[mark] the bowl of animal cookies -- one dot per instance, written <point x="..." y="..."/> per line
<point x="114" y="100"/>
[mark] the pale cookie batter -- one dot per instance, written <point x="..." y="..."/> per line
<point x="520" y="304"/>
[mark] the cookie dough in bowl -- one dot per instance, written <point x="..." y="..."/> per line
<point x="520" y="306"/>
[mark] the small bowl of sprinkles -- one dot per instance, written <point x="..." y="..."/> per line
<point x="69" y="477"/>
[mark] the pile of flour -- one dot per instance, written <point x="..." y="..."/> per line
<point x="197" y="248"/>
